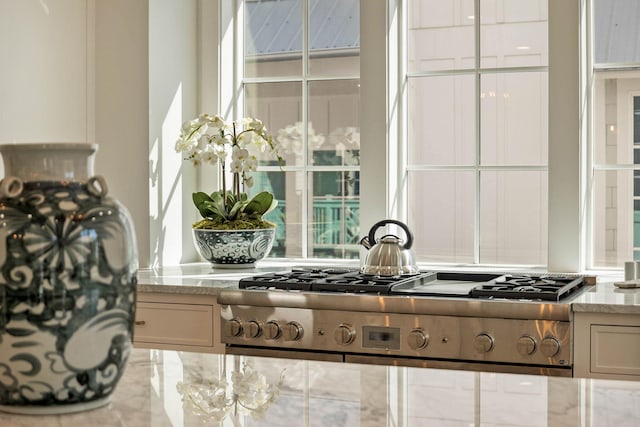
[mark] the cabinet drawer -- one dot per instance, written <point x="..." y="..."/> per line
<point x="179" y="324"/>
<point x="615" y="349"/>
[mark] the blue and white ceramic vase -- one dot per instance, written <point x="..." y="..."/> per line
<point x="234" y="248"/>
<point x="68" y="272"/>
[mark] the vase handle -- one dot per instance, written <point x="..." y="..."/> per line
<point x="97" y="186"/>
<point x="11" y="187"/>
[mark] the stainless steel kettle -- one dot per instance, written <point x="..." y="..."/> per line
<point x="389" y="255"/>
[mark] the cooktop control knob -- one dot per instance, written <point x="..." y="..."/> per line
<point x="417" y="339"/>
<point x="483" y="343"/>
<point x="526" y="345"/>
<point x="344" y="334"/>
<point x="549" y="346"/>
<point x="234" y="328"/>
<point x="272" y="330"/>
<point x="292" y="331"/>
<point x="252" y="329"/>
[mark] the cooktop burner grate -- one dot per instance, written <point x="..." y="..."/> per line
<point x="441" y="284"/>
<point x="547" y="288"/>
<point x="327" y="280"/>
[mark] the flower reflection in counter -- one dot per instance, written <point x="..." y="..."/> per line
<point x="248" y="394"/>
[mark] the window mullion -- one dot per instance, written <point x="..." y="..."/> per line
<point x="478" y="133"/>
<point x="587" y="125"/>
<point x="307" y="195"/>
<point x="374" y="134"/>
<point x="565" y="192"/>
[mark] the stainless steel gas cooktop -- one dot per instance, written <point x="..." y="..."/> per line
<point x="547" y="287"/>
<point x="502" y="322"/>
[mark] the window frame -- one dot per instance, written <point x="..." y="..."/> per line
<point x="232" y="81"/>
<point x="383" y="117"/>
<point x="567" y="220"/>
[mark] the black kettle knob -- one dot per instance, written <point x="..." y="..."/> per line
<point x="372" y="232"/>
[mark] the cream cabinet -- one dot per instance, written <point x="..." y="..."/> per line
<point x="607" y="345"/>
<point x="177" y="322"/>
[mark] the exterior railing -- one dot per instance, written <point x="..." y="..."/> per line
<point x="335" y="228"/>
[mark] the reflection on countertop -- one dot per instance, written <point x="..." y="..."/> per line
<point x="316" y="393"/>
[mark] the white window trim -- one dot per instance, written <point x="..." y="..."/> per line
<point x="567" y="213"/>
<point x="378" y="190"/>
<point x="382" y="121"/>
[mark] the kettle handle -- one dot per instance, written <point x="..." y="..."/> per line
<point x="372" y="232"/>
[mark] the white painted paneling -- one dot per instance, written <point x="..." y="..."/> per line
<point x="173" y="96"/>
<point x="122" y="106"/>
<point x="43" y="77"/>
<point x="77" y="70"/>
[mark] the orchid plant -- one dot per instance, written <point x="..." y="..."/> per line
<point x="233" y="146"/>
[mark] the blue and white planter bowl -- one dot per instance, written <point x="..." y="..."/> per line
<point x="68" y="268"/>
<point x="234" y="248"/>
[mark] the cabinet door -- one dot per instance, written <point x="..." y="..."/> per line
<point x="615" y="349"/>
<point x="177" y="324"/>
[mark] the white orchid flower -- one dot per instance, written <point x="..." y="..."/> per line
<point x="209" y="155"/>
<point x="243" y="140"/>
<point x="218" y="139"/>
<point x="196" y="160"/>
<point x="251" y="164"/>
<point x="183" y="145"/>
<point x="189" y="125"/>
<point x="235" y="166"/>
<point x="257" y="125"/>
<point x="221" y="152"/>
<point x="260" y="144"/>
<point x="240" y="154"/>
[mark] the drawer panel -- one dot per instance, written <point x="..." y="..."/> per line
<point x="180" y="324"/>
<point x="615" y="349"/>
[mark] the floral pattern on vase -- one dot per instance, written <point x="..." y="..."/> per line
<point x="68" y="266"/>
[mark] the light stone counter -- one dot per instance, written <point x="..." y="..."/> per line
<point x="198" y="278"/>
<point x="202" y="279"/>
<point x="605" y="297"/>
<point x="333" y="394"/>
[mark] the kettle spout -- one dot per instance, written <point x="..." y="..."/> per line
<point x="365" y="242"/>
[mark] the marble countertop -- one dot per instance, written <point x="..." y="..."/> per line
<point x="310" y="393"/>
<point x="199" y="278"/>
<point x="605" y="297"/>
<point x="202" y="279"/>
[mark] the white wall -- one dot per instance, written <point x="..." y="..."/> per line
<point x="173" y="77"/>
<point x="122" y="106"/>
<point x="43" y="76"/>
<point x="77" y="70"/>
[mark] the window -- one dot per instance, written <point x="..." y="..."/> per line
<point x="477" y="130"/>
<point x="616" y="133"/>
<point x="301" y="77"/>
<point x="481" y="160"/>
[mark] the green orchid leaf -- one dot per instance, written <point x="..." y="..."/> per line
<point x="259" y="204"/>
<point x="216" y="210"/>
<point x="274" y="204"/>
<point x="210" y="206"/>
<point x="199" y="200"/>
<point x="200" y="197"/>
<point x="231" y="199"/>
<point x="235" y="210"/>
<point x="216" y="197"/>
<point x="229" y="207"/>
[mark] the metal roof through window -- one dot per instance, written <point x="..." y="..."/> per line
<point x="275" y="26"/>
